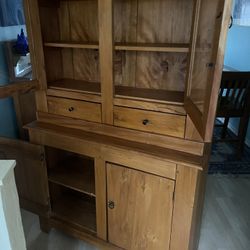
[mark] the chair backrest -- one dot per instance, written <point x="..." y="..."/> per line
<point x="234" y="91"/>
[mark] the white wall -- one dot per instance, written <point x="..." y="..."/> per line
<point x="238" y="57"/>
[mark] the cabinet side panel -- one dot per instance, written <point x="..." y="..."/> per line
<point x="191" y="133"/>
<point x="185" y="191"/>
<point x="199" y="201"/>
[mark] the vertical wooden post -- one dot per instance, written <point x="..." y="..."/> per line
<point x="100" y="189"/>
<point x="105" y="9"/>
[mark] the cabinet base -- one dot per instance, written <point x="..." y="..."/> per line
<point x="46" y="224"/>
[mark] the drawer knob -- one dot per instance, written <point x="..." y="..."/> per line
<point x="145" y="122"/>
<point x="111" y="204"/>
<point x="71" y="109"/>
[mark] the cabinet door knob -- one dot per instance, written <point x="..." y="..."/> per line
<point x="145" y="122"/>
<point x="71" y="109"/>
<point x="111" y="204"/>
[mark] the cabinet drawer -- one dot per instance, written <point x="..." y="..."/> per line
<point x="160" y="123"/>
<point x="75" y="109"/>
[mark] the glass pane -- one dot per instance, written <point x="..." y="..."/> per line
<point x="15" y="63"/>
<point x="15" y="66"/>
<point x="204" y="51"/>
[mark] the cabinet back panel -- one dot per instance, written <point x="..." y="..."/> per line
<point x="153" y="21"/>
<point x="86" y="65"/>
<point x="70" y="21"/>
<point x="125" y="68"/>
<point x="125" y="20"/>
<point x="154" y="70"/>
<point x="53" y="64"/>
<point x="77" y="64"/>
<point x="84" y="20"/>
<point x="49" y="23"/>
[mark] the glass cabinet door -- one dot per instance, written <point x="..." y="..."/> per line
<point x="15" y="48"/>
<point x="206" y="62"/>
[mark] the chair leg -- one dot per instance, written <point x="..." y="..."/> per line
<point x="242" y="133"/>
<point x="224" y="129"/>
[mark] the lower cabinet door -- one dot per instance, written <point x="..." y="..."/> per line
<point x="139" y="209"/>
<point x="30" y="173"/>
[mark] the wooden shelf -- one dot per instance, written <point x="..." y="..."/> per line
<point x="75" y="210"/>
<point x="156" y="95"/>
<point x="76" y="86"/>
<point x="75" y="174"/>
<point x="152" y="47"/>
<point x="73" y="45"/>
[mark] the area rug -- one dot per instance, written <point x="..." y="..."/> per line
<point x="224" y="159"/>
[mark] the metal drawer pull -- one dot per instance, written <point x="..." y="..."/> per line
<point x="111" y="204"/>
<point x="145" y="122"/>
<point x="71" y="109"/>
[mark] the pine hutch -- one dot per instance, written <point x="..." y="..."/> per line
<point x="126" y="95"/>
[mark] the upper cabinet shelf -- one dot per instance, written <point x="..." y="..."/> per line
<point x="153" y="95"/>
<point x="150" y="47"/>
<point x="73" y="45"/>
<point x="153" y="47"/>
<point x="76" y="86"/>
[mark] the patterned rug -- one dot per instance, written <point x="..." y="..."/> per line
<point x="224" y="159"/>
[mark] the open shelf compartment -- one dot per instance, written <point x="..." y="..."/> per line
<point x="73" y="207"/>
<point x="152" y="95"/>
<point x="73" y="21"/>
<point x="70" y="34"/>
<point x="73" y="69"/>
<point x="150" y="52"/>
<point x="71" y="170"/>
<point x="150" y="76"/>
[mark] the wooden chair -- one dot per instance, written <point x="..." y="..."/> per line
<point x="234" y="102"/>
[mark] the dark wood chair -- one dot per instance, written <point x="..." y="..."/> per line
<point x="234" y="102"/>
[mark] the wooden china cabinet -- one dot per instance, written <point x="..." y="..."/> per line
<point x="126" y="99"/>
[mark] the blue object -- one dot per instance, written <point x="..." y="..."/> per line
<point x="21" y="47"/>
